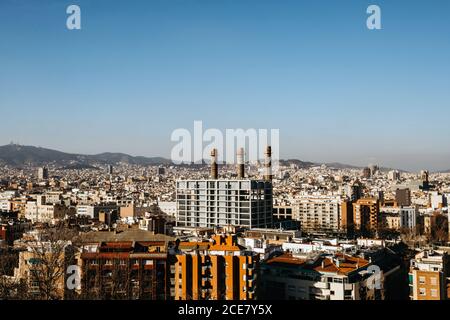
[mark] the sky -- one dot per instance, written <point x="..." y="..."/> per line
<point x="138" y="70"/>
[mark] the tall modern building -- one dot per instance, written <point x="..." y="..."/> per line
<point x="403" y="197"/>
<point x="408" y="217"/>
<point x="354" y="192"/>
<point x="42" y="173"/>
<point x="366" y="214"/>
<point x="366" y="173"/>
<point x="394" y="175"/>
<point x="220" y="202"/>
<point x="211" y="203"/>
<point x="425" y="177"/>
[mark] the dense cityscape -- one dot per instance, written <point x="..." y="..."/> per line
<point x="223" y="232"/>
<point x="207" y="159"/>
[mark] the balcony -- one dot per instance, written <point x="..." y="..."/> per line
<point x="206" y="283"/>
<point x="319" y="297"/>
<point x="321" y="285"/>
<point x="206" y="293"/>
<point x="348" y="286"/>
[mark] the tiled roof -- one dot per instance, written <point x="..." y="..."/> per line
<point x="346" y="264"/>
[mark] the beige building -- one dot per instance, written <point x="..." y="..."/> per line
<point x="43" y="268"/>
<point x="320" y="213"/>
<point x="429" y="275"/>
<point x="39" y="211"/>
<point x="392" y="222"/>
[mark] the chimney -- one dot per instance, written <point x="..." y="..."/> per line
<point x="268" y="164"/>
<point x="240" y="164"/>
<point x="214" y="164"/>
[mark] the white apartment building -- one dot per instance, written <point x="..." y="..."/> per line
<point x="53" y="197"/>
<point x="318" y="212"/>
<point x="408" y="217"/>
<point x="313" y="276"/>
<point x="5" y="205"/>
<point x="168" y="207"/>
<point x="436" y="200"/>
<point x="45" y="213"/>
<point x="211" y="203"/>
<point x="93" y="210"/>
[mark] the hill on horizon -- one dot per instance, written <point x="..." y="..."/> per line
<point x="19" y="155"/>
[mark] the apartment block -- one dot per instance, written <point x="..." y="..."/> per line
<point x="39" y="211"/>
<point x="126" y="270"/>
<point x="429" y="275"/>
<point x="323" y="213"/>
<point x="403" y="197"/>
<point x="366" y="215"/>
<point x="211" y="203"/>
<point x="217" y="270"/>
<point x="315" y="276"/>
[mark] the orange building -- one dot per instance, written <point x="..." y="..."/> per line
<point x="366" y="215"/>
<point x="217" y="270"/>
<point x="346" y="216"/>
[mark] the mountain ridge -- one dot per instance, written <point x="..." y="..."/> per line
<point x="19" y="155"/>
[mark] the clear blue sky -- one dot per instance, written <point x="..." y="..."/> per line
<point x="140" y="69"/>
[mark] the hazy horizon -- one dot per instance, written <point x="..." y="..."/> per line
<point x="282" y="158"/>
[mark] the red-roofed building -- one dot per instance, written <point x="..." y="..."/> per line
<point x="316" y="276"/>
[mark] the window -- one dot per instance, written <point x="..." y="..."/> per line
<point x="422" y="280"/>
<point x="433" y="281"/>
<point x="434" y="293"/>
<point x="422" y="291"/>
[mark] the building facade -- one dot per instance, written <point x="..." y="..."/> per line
<point x="317" y="277"/>
<point x="366" y="215"/>
<point x="319" y="213"/>
<point x="126" y="270"/>
<point x="220" y="270"/>
<point x="211" y="203"/>
<point x="429" y="276"/>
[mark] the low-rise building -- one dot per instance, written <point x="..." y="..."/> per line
<point x="216" y="270"/>
<point x="429" y="275"/>
<point x="314" y="276"/>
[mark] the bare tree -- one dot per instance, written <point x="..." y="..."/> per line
<point x="439" y="228"/>
<point x="10" y="286"/>
<point x="50" y="255"/>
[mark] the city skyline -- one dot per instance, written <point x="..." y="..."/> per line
<point x="337" y="91"/>
<point x="165" y="160"/>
